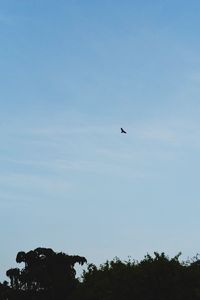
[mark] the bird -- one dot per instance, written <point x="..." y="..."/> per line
<point x="123" y="131"/>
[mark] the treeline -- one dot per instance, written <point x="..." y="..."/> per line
<point x="50" y="275"/>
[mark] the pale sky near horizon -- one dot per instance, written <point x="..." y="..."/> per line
<point x="72" y="73"/>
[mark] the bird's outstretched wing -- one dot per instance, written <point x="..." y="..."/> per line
<point x="123" y="131"/>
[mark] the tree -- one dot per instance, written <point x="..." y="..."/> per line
<point x="46" y="274"/>
<point x="153" y="278"/>
<point x="14" y="275"/>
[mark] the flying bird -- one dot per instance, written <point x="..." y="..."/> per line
<point x="123" y="131"/>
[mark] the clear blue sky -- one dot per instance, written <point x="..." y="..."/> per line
<point x="72" y="73"/>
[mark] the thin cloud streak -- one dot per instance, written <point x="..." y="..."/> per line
<point x="61" y="165"/>
<point x="25" y="181"/>
<point x="171" y="131"/>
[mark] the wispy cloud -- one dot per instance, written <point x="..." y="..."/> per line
<point x="95" y="149"/>
<point x="36" y="182"/>
<point x="60" y="166"/>
<point x="159" y="134"/>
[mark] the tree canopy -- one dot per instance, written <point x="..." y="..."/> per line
<point x="50" y="275"/>
<point x="46" y="274"/>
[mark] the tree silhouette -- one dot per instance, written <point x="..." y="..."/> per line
<point x="14" y="275"/>
<point x="153" y="278"/>
<point x="50" y="275"/>
<point x="46" y="274"/>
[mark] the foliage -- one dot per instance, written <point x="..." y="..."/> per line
<point x="46" y="274"/>
<point x="50" y="275"/>
<point x="153" y="278"/>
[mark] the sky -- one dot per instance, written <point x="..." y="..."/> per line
<point x="72" y="73"/>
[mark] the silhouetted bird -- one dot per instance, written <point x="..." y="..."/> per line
<point x="123" y="131"/>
